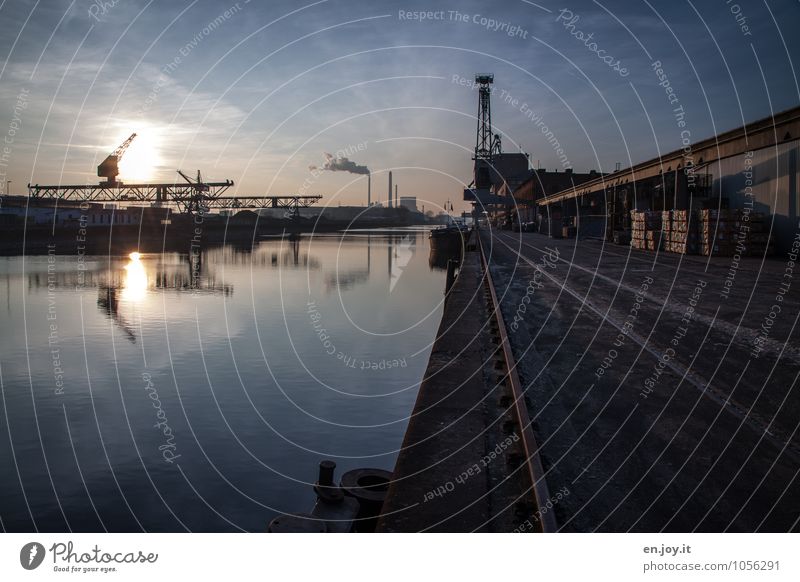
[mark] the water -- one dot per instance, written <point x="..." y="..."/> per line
<point x="137" y="396"/>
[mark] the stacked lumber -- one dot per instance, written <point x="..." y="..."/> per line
<point x="646" y="230"/>
<point x="683" y="235"/>
<point x="729" y="232"/>
<point x="716" y="232"/>
<point x="709" y="232"/>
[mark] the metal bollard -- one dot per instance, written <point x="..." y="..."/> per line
<point x="369" y="487"/>
<point x="326" y="469"/>
<point x="324" y="487"/>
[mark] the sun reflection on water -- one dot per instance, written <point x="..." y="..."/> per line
<point x="134" y="287"/>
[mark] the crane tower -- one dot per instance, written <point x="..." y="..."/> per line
<point x="487" y="144"/>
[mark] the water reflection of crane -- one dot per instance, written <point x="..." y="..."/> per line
<point x="108" y="302"/>
<point x="135" y="285"/>
<point x="293" y="258"/>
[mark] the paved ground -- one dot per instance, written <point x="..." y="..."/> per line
<point x="663" y="388"/>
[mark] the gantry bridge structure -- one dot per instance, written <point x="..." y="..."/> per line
<point x="187" y="197"/>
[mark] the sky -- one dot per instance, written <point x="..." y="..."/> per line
<point x="259" y="91"/>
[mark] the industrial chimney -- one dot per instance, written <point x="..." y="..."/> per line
<point x="369" y="190"/>
<point x="396" y="204"/>
<point x="390" y="188"/>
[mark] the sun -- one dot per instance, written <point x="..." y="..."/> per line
<point x="141" y="161"/>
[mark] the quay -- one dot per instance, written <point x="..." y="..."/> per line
<point x="469" y="461"/>
<point x="651" y="385"/>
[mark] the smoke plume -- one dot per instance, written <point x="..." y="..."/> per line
<point x="334" y="164"/>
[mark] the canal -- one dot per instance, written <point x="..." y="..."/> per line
<point x="151" y="392"/>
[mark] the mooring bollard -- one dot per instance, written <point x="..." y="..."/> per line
<point x="324" y="487"/>
<point x="338" y="511"/>
<point x="369" y="488"/>
<point x="326" y="469"/>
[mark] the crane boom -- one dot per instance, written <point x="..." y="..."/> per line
<point x="109" y="168"/>
<point x="123" y="146"/>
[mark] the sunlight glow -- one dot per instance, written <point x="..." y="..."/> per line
<point x="141" y="161"/>
<point x="134" y="287"/>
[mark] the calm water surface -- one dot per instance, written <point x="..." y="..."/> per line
<point x="137" y="396"/>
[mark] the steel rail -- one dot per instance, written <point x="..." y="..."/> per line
<point x="533" y="462"/>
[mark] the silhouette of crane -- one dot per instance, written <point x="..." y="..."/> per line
<point x="196" y="202"/>
<point x="109" y="168"/>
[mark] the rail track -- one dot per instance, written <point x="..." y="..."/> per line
<point x="513" y="400"/>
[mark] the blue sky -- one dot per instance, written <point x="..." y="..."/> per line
<point x="262" y="94"/>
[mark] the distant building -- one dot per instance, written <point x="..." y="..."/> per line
<point x="508" y="171"/>
<point x="753" y="168"/>
<point x="542" y="183"/>
<point x="409" y="202"/>
<point x="20" y="210"/>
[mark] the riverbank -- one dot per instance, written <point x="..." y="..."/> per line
<point x="179" y="234"/>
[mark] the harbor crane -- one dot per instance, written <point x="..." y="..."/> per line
<point x="196" y="195"/>
<point x="109" y="168"/>
<point x="196" y="202"/>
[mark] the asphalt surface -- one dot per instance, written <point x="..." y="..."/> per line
<point x="663" y="388"/>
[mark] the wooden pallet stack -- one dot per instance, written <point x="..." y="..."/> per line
<point x="666" y="229"/>
<point x="646" y="230"/>
<point x="716" y="233"/>
<point x="683" y="236"/>
<point x="721" y="233"/>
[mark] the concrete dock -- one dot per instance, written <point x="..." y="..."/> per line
<point x="452" y="473"/>
<point x="662" y="390"/>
